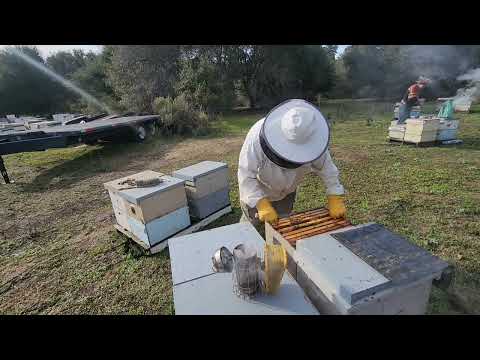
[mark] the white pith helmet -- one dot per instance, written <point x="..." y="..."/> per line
<point x="296" y="131"/>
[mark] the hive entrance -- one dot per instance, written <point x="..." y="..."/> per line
<point x="309" y="223"/>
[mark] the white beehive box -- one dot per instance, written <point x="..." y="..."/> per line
<point x="421" y="130"/>
<point x="371" y="274"/>
<point x="150" y="213"/>
<point x="396" y="132"/>
<point x="207" y="187"/>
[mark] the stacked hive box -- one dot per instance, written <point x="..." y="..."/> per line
<point x="447" y="130"/>
<point x="396" y="131"/>
<point x="207" y="188"/>
<point x="421" y="130"/>
<point x="151" y="214"/>
<point x="414" y="112"/>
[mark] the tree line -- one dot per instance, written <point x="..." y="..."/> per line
<point x="217" y="78"/>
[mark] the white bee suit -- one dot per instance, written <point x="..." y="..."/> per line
<point x="258" y="177"/>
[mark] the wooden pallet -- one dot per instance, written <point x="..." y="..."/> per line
<point x="164" y="243"/>
<point x="420" y="144"/>
<point x="307" y="224"/>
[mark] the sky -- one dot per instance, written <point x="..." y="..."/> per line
<point x="46" y="50"/>
<point x="341" y="49"/>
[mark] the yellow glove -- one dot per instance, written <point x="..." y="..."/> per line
<point x="336" y="206"/>
<point x="266" y="212"/>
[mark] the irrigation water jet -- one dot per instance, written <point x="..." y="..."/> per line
<point x="68" y="84"/>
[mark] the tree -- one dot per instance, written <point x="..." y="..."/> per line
<point x="66" y="63"/>
<point x="92" y="78"/>
<point x="138" y="74"/>
<point x="331" y="51"/>
<point x="204" y="84"/>
<point x="23" y="88"/>
<point x="271" y="74"/>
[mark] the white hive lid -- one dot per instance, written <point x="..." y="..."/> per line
<point x="135" y="195"/>
<point x="193" y="172"/>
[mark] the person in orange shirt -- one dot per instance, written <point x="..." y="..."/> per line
<point x="410" y="99"/>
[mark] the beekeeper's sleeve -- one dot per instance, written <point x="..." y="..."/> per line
<point x="328" y="172"/>
<point x="248" y="164"/>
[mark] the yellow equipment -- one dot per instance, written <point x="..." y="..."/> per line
<point x="275" y="258"/>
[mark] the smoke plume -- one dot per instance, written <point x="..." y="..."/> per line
<point x="471" y="93"/>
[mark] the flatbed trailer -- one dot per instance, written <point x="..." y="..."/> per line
<point x="62" y="136"/>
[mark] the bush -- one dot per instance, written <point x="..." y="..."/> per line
<point x="205" y="85"/>
<point x="178" y="116"/>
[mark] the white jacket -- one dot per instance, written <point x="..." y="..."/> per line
<point x="258" y="177"/>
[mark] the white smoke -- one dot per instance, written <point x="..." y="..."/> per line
<point x="471" y="93"/>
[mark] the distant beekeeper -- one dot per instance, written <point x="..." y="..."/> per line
<point x="279" y="150"/>
<point x="411" y="99"/>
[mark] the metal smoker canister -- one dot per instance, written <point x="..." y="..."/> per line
<point x="246" y="269"/>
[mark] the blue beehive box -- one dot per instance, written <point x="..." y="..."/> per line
<point x="207" y="187"/>
<point x="160" y="229"/>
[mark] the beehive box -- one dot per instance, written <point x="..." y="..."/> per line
<point x="298" y="226"/>
<point x="362" y="269"/>
<point x="150" y="213"/>
<point x="207" y="187"/>
<point x="159" y="229"/>
<point x="396" y="132"/>
<point x="447" y="130"/>
<point x="421" y="130"/>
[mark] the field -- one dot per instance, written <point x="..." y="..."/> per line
<point x="59" y="253"/>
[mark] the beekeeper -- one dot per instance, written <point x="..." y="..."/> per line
<point x="411" y="99"/>
<point x="279" y="150"/>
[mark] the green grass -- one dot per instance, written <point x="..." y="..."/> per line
<point x="60" y="254"/>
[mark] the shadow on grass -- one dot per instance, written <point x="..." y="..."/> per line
<point x="463" y="294"/>
<point x="469" y="143"/>
<point x="108" y="158"/>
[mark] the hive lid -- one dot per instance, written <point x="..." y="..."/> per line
<point x="193" y="172"/>
<point x="213" y="295"/>
<point x="337" y="271"/>
<point x="391" y="255"/>
<point x="191" y="255"/>
<point x="135" y="195"/>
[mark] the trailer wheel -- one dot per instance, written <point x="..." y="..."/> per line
<point x="141" y="133"/>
